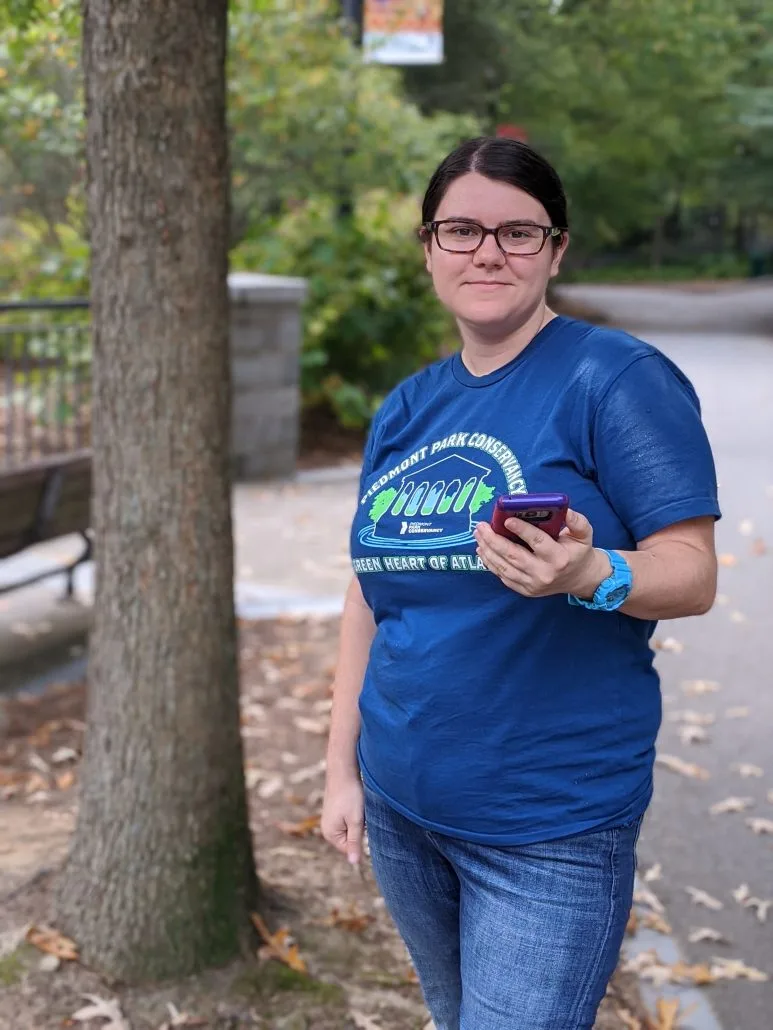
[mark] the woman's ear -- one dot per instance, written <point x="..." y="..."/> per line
<point x="558" y="254"/>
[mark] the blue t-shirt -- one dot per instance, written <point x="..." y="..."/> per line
<point x="486" y="715"/>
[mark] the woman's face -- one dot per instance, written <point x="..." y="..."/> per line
<point x="488" y="290"/>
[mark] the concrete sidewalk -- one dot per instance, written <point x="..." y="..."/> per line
<point x="292" y="554"/>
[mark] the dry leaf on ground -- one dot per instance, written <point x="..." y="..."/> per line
<point x="654" y="873"/>
<point x="701" y="897"/>
<point x="694" y="718"/>
<point x="739" y="712"/>
<point x="731" y="804"/>
<point x="642" y="896"/>
<point x="696" y="688"/>
<point x="735" y="969"/>
<point x="279" y="946"/>
<point x="741" y="893"/>
<point x="759" y="547"/>
<point x="669" y="1015"/>
<point x="728" y="560"/>
<point x="304" y="828"/>
<point x="678" y="765"/>
<point x="656" y="922"/>
<point x="760" y="825"/>
<point x="746" y="770"/>
<point x="706" y="933"/>
<point x="102" y="1008"/>
<point x="52" y="943"/>
<point x="353" y="918"/>
<point x="693" y="735"/>
<point x="363" y="1022"/>
<point x="669" y="644"/>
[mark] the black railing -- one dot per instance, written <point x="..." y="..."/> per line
<point x="45" y="380"/>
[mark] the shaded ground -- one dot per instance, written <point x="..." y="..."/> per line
<point x="360" y="977"/>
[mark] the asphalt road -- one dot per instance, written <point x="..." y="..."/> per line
<point x="732" y="646"/>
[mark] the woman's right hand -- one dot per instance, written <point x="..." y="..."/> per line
<point x="343" y="816"/>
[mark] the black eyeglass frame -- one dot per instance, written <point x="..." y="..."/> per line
<point x="548" y="232"/>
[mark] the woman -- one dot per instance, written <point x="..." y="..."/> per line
<point x="495" y="706"/>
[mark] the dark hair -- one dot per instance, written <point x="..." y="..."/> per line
<point x="504" y="160"/>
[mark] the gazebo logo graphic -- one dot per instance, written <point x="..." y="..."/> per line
<point x="432" y="506"/>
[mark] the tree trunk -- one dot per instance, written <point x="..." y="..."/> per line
<point x="161" y="875"/>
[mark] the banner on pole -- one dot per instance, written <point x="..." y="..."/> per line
<point x="403" y="31"/>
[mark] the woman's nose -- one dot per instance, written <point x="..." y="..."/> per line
<point x="488" y="254"/>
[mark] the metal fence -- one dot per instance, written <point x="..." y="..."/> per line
<point x="45" y="380"/>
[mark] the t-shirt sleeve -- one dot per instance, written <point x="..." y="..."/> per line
<point x="651" y="452"/>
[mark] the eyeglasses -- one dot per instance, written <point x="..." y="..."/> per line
<point x="462" y="236"/>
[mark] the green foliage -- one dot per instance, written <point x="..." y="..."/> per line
<point x="482" y="496"/>
<point x="381" y="503"/>
<point x="371" y="315"/>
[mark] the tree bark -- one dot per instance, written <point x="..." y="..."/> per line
<point x="161" y="875"/>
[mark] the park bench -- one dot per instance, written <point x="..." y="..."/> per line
<point x="45" y="460"/>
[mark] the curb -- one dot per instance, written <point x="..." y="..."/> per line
<point x="692" y="1000"/>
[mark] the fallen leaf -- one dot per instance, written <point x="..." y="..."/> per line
<point x="270" y="787"/>
<point x="629" y="1021"/>
<point x="309" y="773"/>
<point x="64" y="754"/>
<point x="760" y="906"/>
<point x="740" y="712"/>
<point x="698" y="974"/>
<point x="700" y="897"/>
<point x="102" y="1008"/>
<point x="693" y="718"/>
<point x="656" y="922"/>
<point x="278" y="945"/>
<point x="728" y="560"/>
<point x="693" y="734"/>
<point x="642" y="896"/>
<point x="180" y="1019"/>
<point x="52" y="943"/>
<point x="741" y="893"/>
<point x="695" y="688"/>
<point x="633" y="923"/>
<point x="759" y="547"/>
<point x="731" y="804"/>
<point x="363" y="1022"/>
<point x="746" y="527"/>
<point x="307" y="725"/>
<point x="304" y="828"/>
<point x="667" y="1013"/>
<point x="49" y="964"/>
<point x="735" y="969"/>
<point x="64" y="780"/>
<point x="705" y="933"/>
<point x="353" y="919"/>
<point x="746" y="770"/>
<point x="654" y="873"/>
<point x="760" y="825"/>
<point x="677" y="765"/>
<point x="669" y="644"/>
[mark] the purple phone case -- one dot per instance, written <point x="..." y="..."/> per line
<point x="546" y="511"/>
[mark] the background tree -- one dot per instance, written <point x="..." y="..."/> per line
<point x="160" y="878"/>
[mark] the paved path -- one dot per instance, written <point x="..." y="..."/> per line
<point x="734" y="378"/>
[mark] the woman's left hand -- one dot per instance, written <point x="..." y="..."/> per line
<point x="569" y="565"/>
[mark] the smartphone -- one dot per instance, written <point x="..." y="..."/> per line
<point x="546" y="511"/>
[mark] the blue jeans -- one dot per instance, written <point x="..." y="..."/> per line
<point x="522" y="937"/>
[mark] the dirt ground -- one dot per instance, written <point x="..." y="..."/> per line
<point x="359" y="974"/>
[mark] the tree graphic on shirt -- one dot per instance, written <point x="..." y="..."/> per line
<point x="381" y="502"/>
<point x="482" y="496"/>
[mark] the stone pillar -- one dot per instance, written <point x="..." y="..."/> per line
<point x="265" y="372"/>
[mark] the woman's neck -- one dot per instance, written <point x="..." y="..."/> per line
<point x="483" y="354"/>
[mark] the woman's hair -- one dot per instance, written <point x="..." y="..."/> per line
<point x="504" y="160"/>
